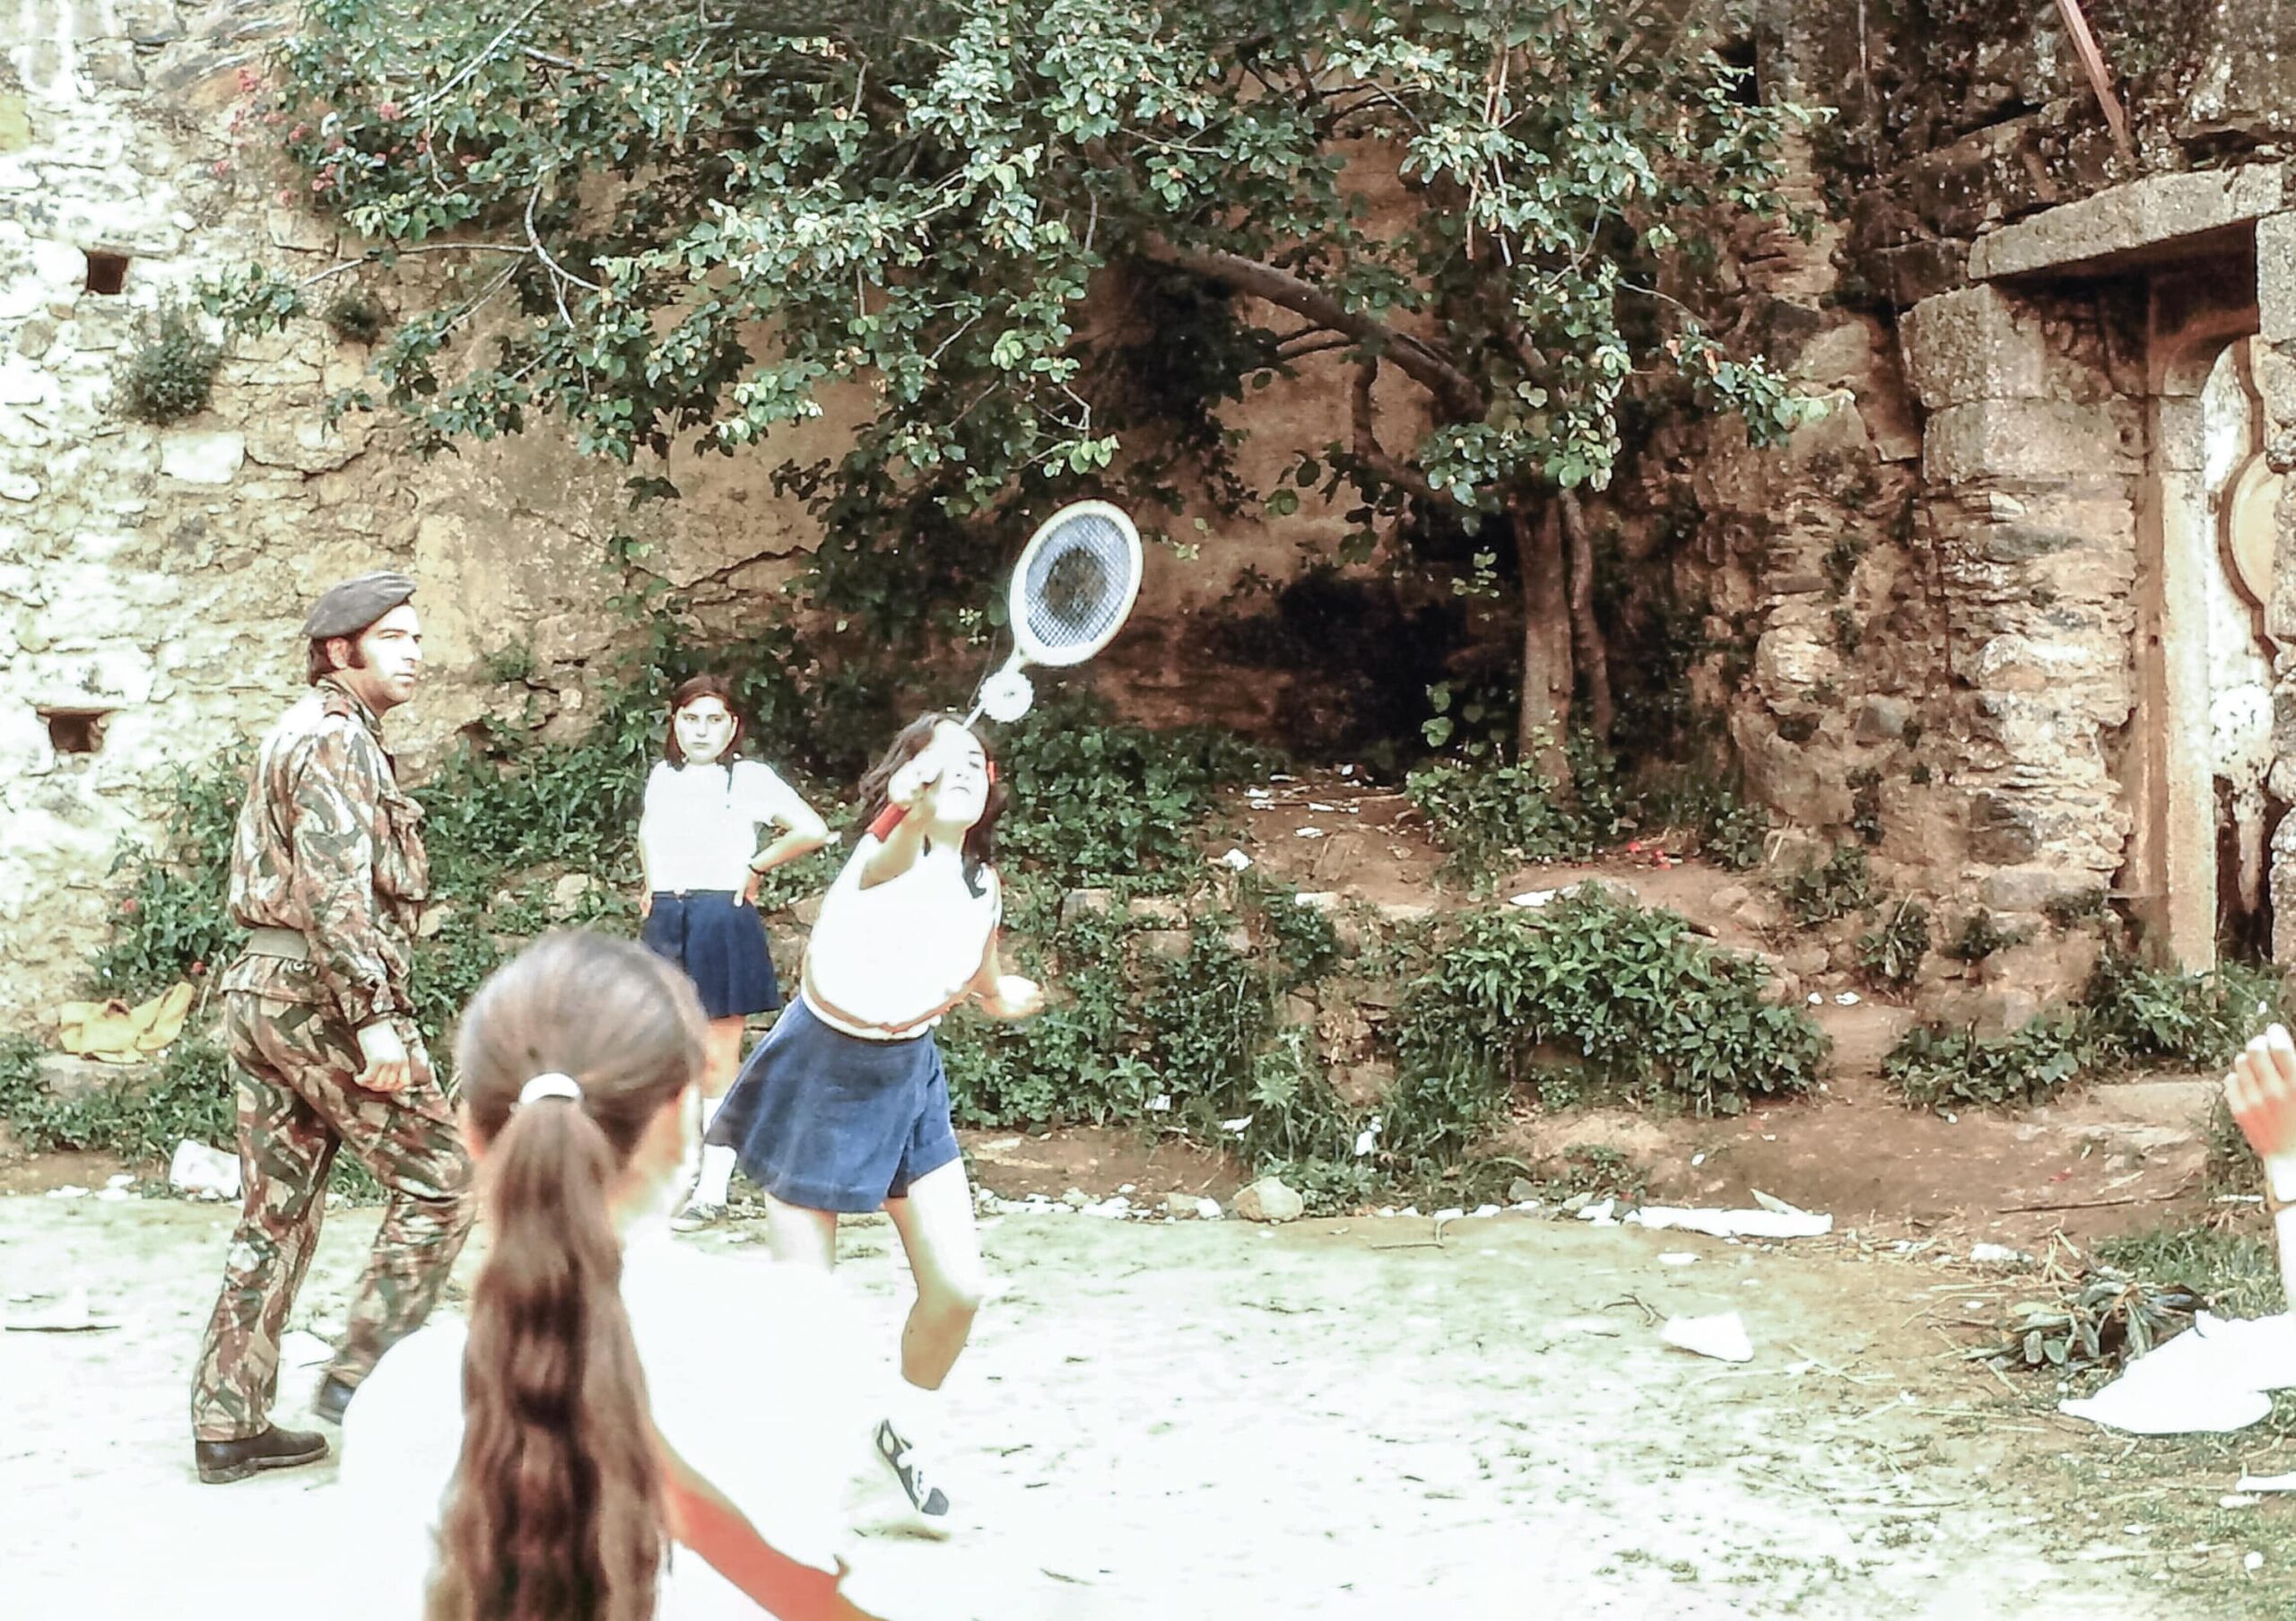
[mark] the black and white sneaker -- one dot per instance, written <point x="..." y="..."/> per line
<point x="928" y="1503"/>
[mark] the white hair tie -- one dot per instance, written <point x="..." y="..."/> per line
<point x="551" y="1084"/>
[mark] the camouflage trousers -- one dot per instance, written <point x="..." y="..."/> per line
<point x="298" y="1103"/>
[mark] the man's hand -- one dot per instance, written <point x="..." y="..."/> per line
<point x="388" y="1067"/>
<point x="749" y="888"/>
<point x="645" y="904"/>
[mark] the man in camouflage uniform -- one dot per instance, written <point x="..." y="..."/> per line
<point x="330" y="875"/>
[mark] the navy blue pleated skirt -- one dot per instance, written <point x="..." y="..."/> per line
<point x="828" y="1121"/>
<point x="719" y="940"/>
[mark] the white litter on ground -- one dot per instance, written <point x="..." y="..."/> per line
<point x="2211" y="1379"/>
<point x="1722" y="1336"/>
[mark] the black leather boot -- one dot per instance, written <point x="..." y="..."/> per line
<point x="221" y="1462"/>
<point x="333" y="1398"/>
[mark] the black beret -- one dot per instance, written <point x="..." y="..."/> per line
<point x="348" y="608"/>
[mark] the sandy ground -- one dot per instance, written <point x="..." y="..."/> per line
<point x="1332" y="1418"/>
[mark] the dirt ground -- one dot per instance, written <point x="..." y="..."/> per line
<point x="1338" y="1418"/>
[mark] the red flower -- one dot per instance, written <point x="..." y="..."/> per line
<point x="130" y="906"/>
<point x="386" y="109"/>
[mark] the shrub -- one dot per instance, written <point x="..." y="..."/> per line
<point x="169" y="376"/>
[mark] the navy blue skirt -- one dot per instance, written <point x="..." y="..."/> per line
<point x="829" y="1121"/>
<point x="719" y="940"/>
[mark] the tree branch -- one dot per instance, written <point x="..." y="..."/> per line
<point x="1367" y="449"/>
<point x="1423" y="363"/>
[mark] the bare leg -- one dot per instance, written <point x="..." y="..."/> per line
<point x="936" y="1224"/>
<point x="724" y="1060"/>
<point x="2262" y="1092"/>
<point x="722" y="1050"/>
<point x="799" y="1236"/>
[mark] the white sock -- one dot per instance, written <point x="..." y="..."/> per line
<point x="717" y="1176"/>
<point x="915" y="1411"/>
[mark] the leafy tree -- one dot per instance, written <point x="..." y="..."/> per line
<point x="1045" y="248"/>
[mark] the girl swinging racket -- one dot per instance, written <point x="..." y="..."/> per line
<point x="844" y="1108"/>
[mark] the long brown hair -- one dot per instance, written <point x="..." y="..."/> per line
<point x="876" y="787"/>
<point x="555" y="1513"/>
<point x="704" y="685"/>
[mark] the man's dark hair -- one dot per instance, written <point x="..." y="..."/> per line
<point x="316" y="662"/>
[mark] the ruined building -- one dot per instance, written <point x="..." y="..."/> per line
<point x="2017" y="602"/>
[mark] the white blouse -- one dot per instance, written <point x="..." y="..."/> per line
<point x="893" y="954"/>
<point x="698" y="829"/>
<point x="753" y="1372"/>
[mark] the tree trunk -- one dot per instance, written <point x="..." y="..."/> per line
<point x="1585" y="633"/>
<point x="1547" y="642"/>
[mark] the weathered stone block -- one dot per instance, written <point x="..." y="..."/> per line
<point x="2001" y="830"/>
<point x="2031" y="439"/>
<point x="203" y="457"/>
<point x="1916" y="271"/>
<point x="1978" y="344"/>
<point x="2159" y="209"/>
<point x="2276" y="277"/>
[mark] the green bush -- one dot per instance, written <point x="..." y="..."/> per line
<point x="1933" y="1067"/>
<point x="139" y="1115"/>
<point x="1096" y="799"/>
<point x="1629" y="994"/>
<point x="1890" y="955"/>
<point x="169" y="376"/>
<point x="1842" y="883"/>
<point x="2153" y="1017"/>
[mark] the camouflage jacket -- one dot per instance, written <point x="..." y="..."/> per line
<point x="327" y="845"/>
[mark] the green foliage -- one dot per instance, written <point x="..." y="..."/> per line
<point x="698" y="226"/>
<point x="2097" y="1321"/>
<point x="1628" y="993"/>
<point x="1891" y="953"/>
<point x="356" y="316"/>
<point x="1176" y="1030"/>
<point x="140" y="1115"/>
<point x="171" y="922"/>
<point x="1491" y="818"/>
<point x="2236" y="1273"/>
<point x="511" y="663"/>
<point x="1840" y="884"/>
<point x="2129" y="1017"/>
<point x="2153" y="1017"/>
<point x="1981" y="936"/>
<point x="168" y="377"/>
<point x="1099" y="800"/>
<point x="1935" y="1067"/>
<point x="1865" y="804"/>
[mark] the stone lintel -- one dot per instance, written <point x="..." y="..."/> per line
<point x="2031" y="439"/>
<point x="2127" y="218"/>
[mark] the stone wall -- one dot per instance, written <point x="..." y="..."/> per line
<point x="152" y="581"/>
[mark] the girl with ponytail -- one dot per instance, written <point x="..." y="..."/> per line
<point x="539" y="1463"/>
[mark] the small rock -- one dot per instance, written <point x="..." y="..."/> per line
<point x="1079" y="903"/>
<point x="567" y="894"/>
<point x="1450" y="1215"/>
<point x="1997" y="1255"/>
<point x="1486" y="1212"/>
<point x="1269" y="1200"/>
<point x="1520" y="1192"/>
<point x="1179" y="1206"/>
<point x="1207" y="1210"/>
<point x="1075" y="1199"/>
<point x="1575" y="1203"/>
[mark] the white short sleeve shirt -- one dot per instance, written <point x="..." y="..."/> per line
<point x="699" y="827"/>
<point x="756" y="1375"/>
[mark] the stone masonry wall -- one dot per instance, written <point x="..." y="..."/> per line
<point x="156" y="577"/>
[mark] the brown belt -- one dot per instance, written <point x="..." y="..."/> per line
<point x="822" y="1004"/>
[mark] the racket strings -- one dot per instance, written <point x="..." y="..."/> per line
<point x="1079" y="584"/>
